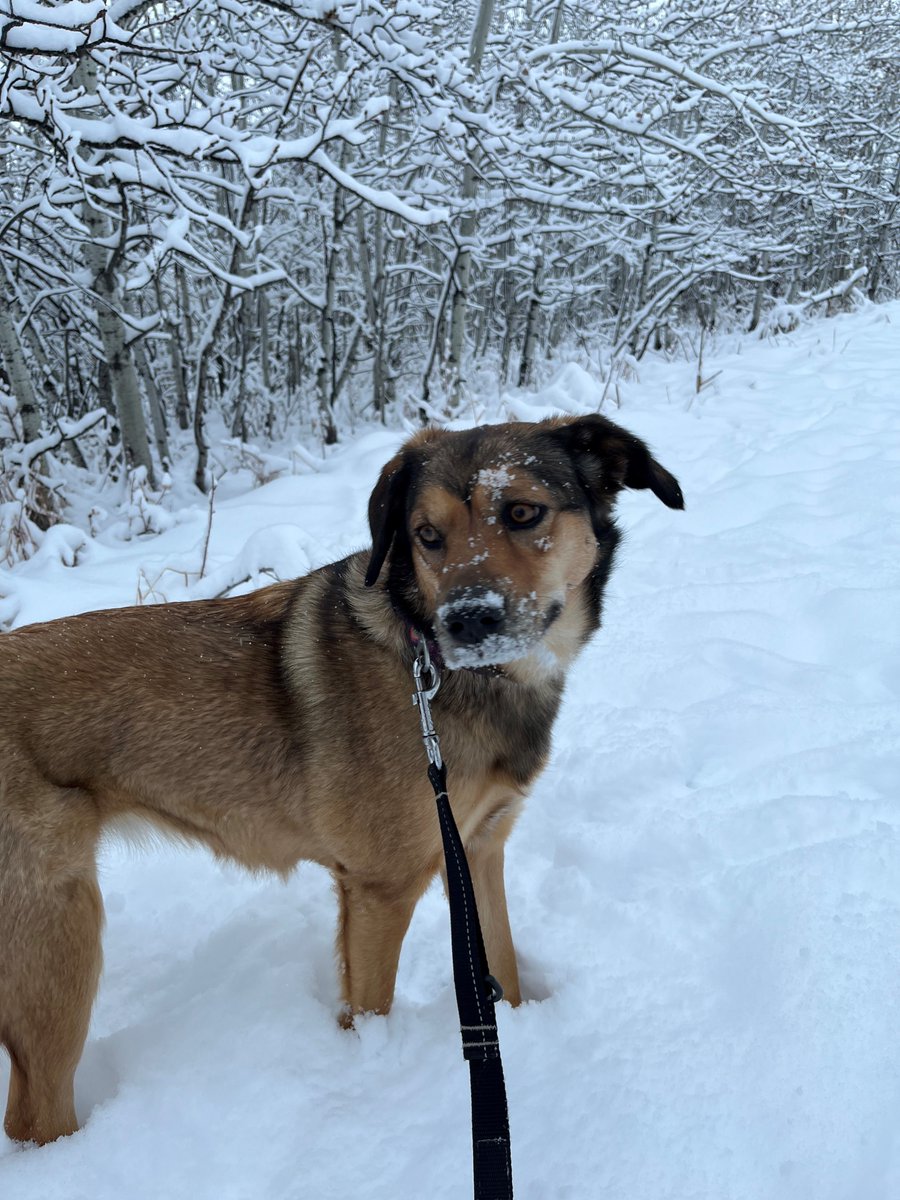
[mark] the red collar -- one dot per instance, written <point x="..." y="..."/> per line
<point x="414" y="636"/>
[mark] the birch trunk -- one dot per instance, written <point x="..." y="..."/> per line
<point x="40" y="504"/>
<point x="467" y="225"/>
<point x="13" y="359"/>
<point x="376" y="297"/>
<point x="756" y="315"/>
<point x="210" y="339"/>
<point x="262" y="321"/>
<point x="882" y="246"/>
<point x="182" y="400"/>
<point x="173" y="338"/>
<point x="155" y="404"/>
<point x="43" y="381"/>
<point x="376" y="326"/>
<point x="239" y="428"/>
<point x="529" y="345"/>
<point x="557" y="22"/>
<point x="123" y="380"/>
<point x="326" y="370"/>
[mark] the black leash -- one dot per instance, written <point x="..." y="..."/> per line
<point x="476" y="989"/>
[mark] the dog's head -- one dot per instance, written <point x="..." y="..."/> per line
<point x="492" y="533"/>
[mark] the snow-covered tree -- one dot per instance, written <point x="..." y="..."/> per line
<point x="296" y="213"/>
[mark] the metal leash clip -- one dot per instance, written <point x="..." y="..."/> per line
<point x="428" y="679"/>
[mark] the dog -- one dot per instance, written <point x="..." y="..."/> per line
<point x="278" y="726"/>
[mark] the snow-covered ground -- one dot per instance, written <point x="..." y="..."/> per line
<point x="705" y="885"/>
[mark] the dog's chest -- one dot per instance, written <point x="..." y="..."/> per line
<point x="494" y="746"/>
<point x="484" y="806"/>
<point x="492" y="729"/>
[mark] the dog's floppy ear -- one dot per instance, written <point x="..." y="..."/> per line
<point x="609" y="458"/>
<point x="387" y="511"/>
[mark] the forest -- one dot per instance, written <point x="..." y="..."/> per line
<point x="285" y="219"/>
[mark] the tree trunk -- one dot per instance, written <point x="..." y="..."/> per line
<point x="326" y="372"/>
<point x="756" y="315"/>
<point x="467" y="225"/>
<point x="123" y="379"/>
<point x="529" y="344"/>
<point x="155" y="404"/>
<point x="43" y="381"/>
<point x="209" y="342"/>
<point x="40" y="502"/>
<point x="14" y="363"/>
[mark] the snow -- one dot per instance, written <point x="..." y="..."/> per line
<point x="704" y="886"/>
<point x="69" y="26"/>
<point x="495" y="479"/>
<point x="520" y="641"/>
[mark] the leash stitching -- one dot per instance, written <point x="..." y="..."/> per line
<point x="443" y="817"/>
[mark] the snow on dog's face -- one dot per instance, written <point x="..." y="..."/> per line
<point x="496" y="554"/>
<point x="501" y="538"/>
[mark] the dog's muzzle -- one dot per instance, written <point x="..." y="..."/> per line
<point x="472" y="615"/>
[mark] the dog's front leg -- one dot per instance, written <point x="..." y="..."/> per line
<point x="485" y="857"/>
<point x="372" y="923"/>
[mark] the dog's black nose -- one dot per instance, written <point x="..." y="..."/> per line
<point x="471" y="620"/>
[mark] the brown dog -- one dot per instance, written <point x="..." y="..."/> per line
<point x="278" y="726"/>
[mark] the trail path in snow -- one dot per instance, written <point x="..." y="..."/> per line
<point x="705" y="885"/>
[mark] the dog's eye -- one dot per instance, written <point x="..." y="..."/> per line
<point x="523" y="516"/>
<point x="429" y="537"/>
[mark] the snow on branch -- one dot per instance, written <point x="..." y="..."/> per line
<point x="735" y="95"/>
<point x="66" y="431"/>
<point x="838" y="290"/>
<point x="316" y="211"/>
<point x="30" y="27"/>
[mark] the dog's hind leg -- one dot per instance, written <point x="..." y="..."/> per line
<point x="50" y="920"/>
<point x="372" y="924"/>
